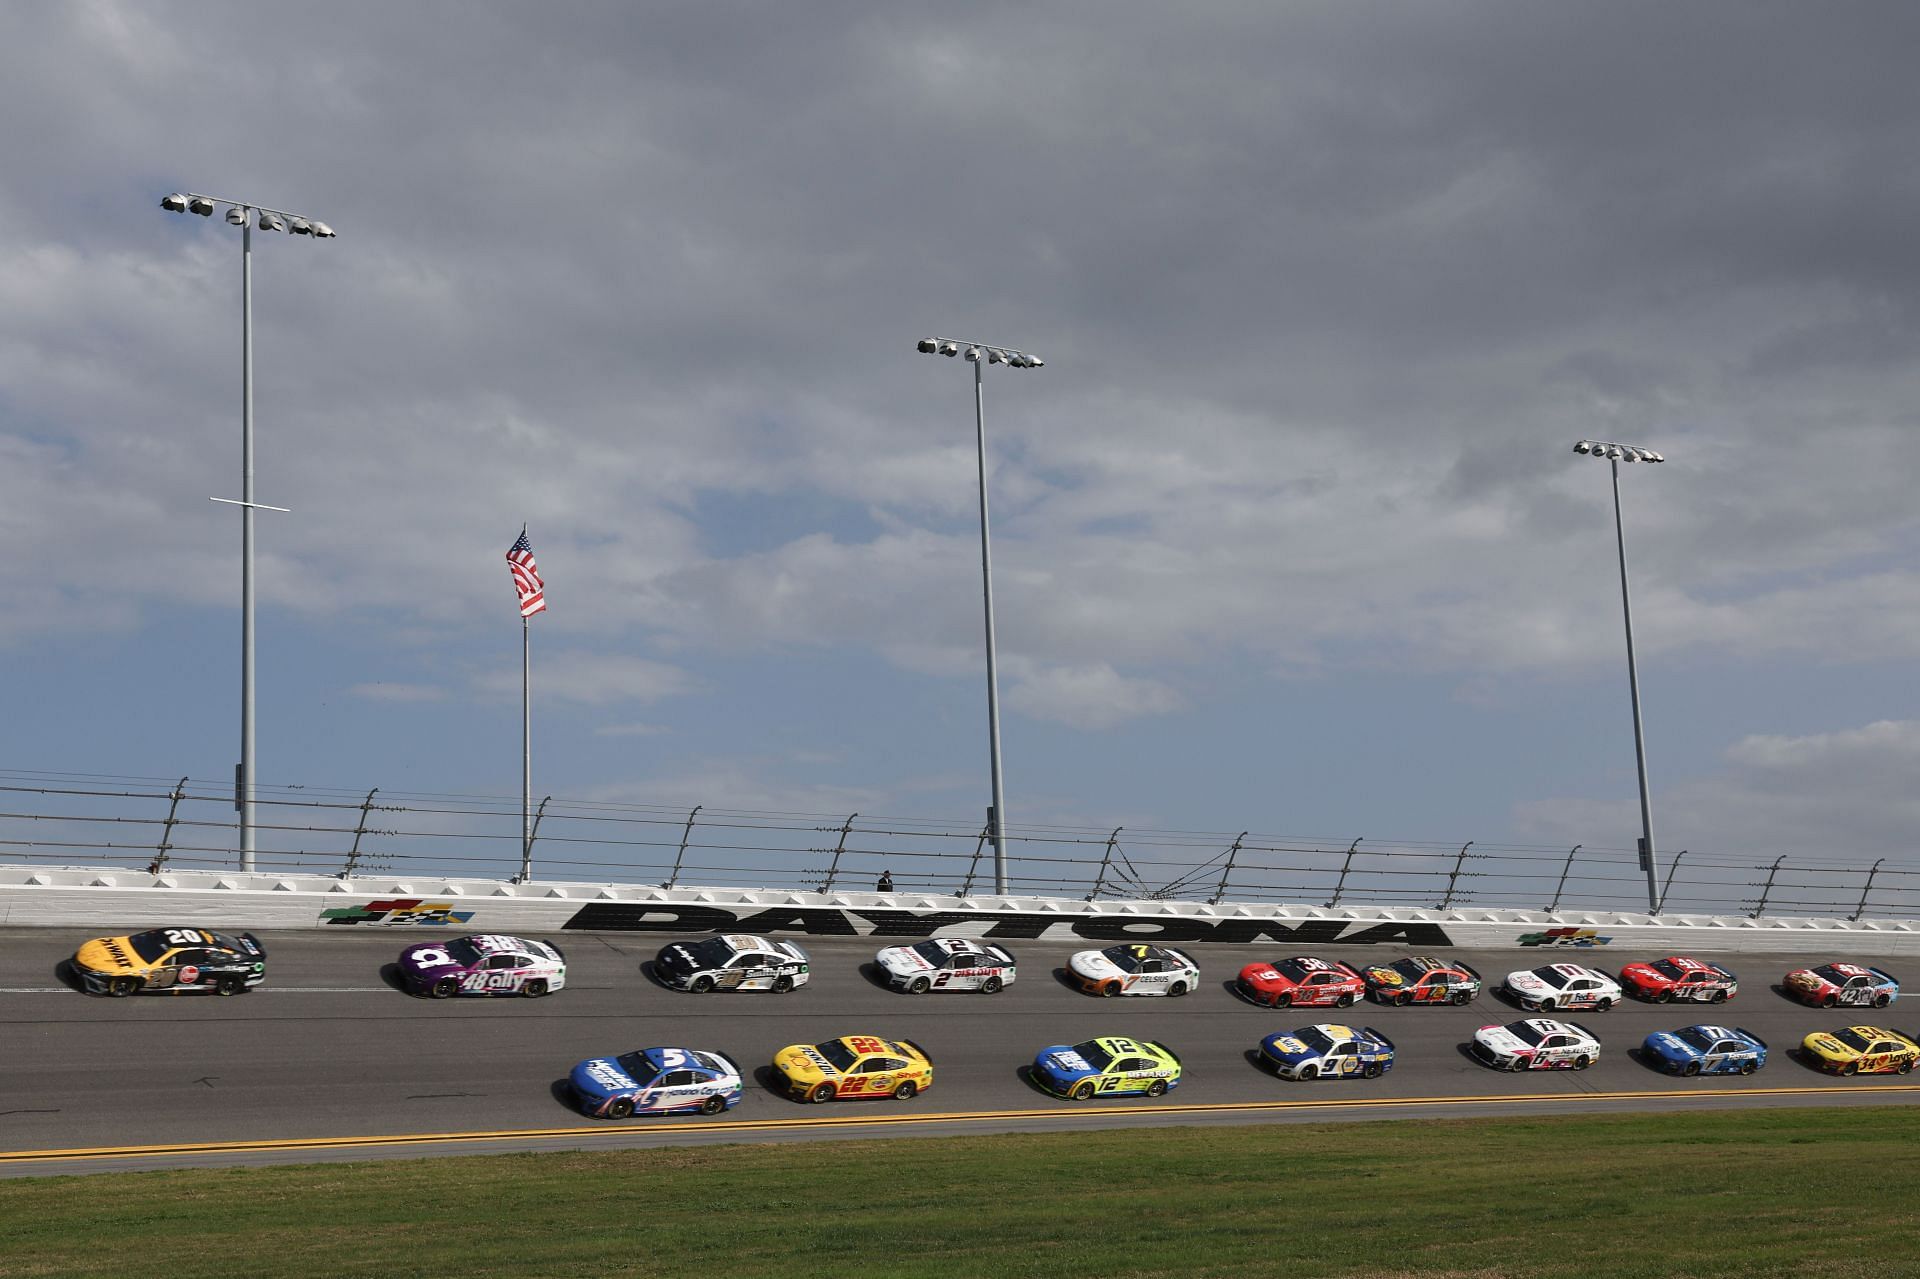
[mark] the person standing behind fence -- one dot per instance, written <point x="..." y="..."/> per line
<point x="886" y="882"/>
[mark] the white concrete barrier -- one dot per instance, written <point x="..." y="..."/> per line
<point x="98" y="901"/>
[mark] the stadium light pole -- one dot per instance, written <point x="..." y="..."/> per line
<point x="1616" y="454"/>
<point x="244" y="214"/>
<point x="980" y="355"/>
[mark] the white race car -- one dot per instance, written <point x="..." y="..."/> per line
<point x="732" y="961"/>
<point x="1134" y="970"/>
<point x="1538" y="1043"/>
<point x="947" y="963"/>
<point x="1562" y="986"/>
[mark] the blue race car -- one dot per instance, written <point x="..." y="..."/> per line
<point x="1706" y="1050"/>
<point x="1341" y="1052"/>
<point x="656" y="1081"/>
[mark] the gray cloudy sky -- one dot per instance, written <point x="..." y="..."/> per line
<point x="1288" y="533"/>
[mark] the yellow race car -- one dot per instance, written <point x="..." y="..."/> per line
<point x="853" y="1066"/>
<point x="1862" y="1050"/>
<point x="171" y="960"/>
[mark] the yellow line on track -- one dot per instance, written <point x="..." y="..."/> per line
<point x="723" y="1126"/>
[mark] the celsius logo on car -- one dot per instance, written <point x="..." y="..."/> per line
<point x="397" y="910"/>
<point x="822" y="921"/>
<point x="1564" y="937"/>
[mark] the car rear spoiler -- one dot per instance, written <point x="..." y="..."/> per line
<point x="1377" y="1035"/>
<point x="732" y="1065"/>
<point x="258" y="947"/>
<point x="1884" y="975"/>
<point x="1750" y="1035"/>
<point x="1163" y="1048"/>
<point x="917" y="1048"/>
<point x="1583" y="1030"/>
<point x="1196" y="963"/>
<point x="1468" y="969"/>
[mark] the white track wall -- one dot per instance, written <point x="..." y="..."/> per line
<point x="117" y="901"/>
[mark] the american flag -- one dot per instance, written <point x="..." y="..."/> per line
<point x="526" y="577"/>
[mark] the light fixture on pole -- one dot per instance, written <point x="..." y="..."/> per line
<point x="1616" y="454"/>
<point x="981" y="355"/>
<point x="242" y="214"/>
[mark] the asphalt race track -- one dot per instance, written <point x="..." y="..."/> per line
<point x="330" y="1060"/>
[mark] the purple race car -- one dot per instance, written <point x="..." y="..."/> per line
<point x="486" y="964"/>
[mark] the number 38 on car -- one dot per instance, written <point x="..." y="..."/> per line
<point x="853" y="1066"/>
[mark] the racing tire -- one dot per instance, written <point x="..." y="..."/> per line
<point x="1851" y="1068"/>
<point x="713" y="1105"/>
<point x="445" y="988"/>
<point x="1881" y="1001"/>
<point x="991" y="986"/>
<point x="1373" y="1070"/>
<point x="701" y="985"/>
<point x="782" y="984"/>
<point x="1308" y="1072"/>
<point x="1345" y="1001"/>
<point x="1108" y="989"/>
<point x="1747" y="1067"/>
<point x="1158" y="1088"/>
<point x="228" y="985"/>
<point x="1828" y="1002"/>
<point x="1083" y="1090"/>
<point x="904" y="1090"/>
<point x="121" y="987"/>
<point x="1719" y="997"/>
<point x="821" y="1094"/>
<point x="535" y="988"/>
<point x="919" y="986"/>
<point x="1603" y="1005"/>
<point x="1582" y="1062"/>
<point x="1519" y="1064"/>
<point x="1462" y="998"/>
<point x="1281" y="999"/>
<point x="1905" y="1067"/>
<point x="620" y="1108"/>
<point x="1401" y="1001"/>
<point x="1690" y="1069"/>
<point x="1664" y="997"/>
<point x="1176" y="990"/>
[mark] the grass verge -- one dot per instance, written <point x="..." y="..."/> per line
<point x="1807" y="1192"/>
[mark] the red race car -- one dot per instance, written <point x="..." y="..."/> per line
<point x="1422" y="979"/>
<point x="1678" y="977"/>
<point x="1301" y="981"/>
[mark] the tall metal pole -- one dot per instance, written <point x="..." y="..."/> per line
<point x="526" y="763"/>
<point x="246" y="548"/>
<point x="993" y="683"/>
<point x="1633" y="682"/>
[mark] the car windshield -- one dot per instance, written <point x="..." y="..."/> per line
<point x="635" y="1064"/>
<point x="1096" y="1056"/>
<point x="931" y="951"/>
<point x="152" y="944"/>
<point x="1853" y="1039"/>
<point x="1409" y="968"/>
<point x="1129" y="958"/>
<point x="1552" y="976"/>
<point x="1298" y="969"/>
<point x="711" y="953"/>
<point x="1696" y="1039"/>
<point x="1668" y="969"/>
<point x="1525" y="1032"/>
<point x="463" y="952"/>
<point x="836" y="1052"/>
<point x="1315" y="1039"/>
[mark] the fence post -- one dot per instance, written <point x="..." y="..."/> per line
<point x="1345" y="866"/>
<point x="526" y="856"/>
<point x="1564" y="872"/>
<point x="1766" y="889"/>
<point x="1672" y="866"/>
<point x="685" y="835"/>
<point x="166" y="832"/>
<point x="353" y="854"/>
<point x="1446" y="903"/>
<point x="973" y="867"/>
<point x="1862" y="908"/>
<point x="1106" y="859"/>
<point x="833" y="869"/>
<point x="1233" y="852"/>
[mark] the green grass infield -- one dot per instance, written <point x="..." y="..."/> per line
<point x="1806" y="1192"/>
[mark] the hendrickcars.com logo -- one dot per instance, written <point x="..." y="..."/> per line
<point x="397" y="910"/>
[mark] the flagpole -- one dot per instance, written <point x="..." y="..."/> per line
<point x="526" y="764"/>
